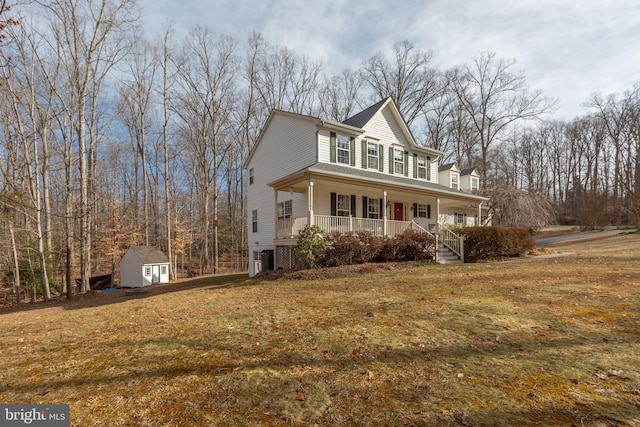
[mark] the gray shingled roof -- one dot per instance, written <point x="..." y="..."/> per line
<point x="150" y="254"/>
<point x="446" y="167"/>
<point x="335" y="169"/>
<point x="468" y="171"/>
<point x="363" y="117"/>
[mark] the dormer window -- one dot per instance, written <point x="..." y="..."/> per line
<point x="455" y="181"/>
<point x="475" y="184"/>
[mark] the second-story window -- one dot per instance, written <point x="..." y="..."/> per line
<point x="373" y="155"/>
<point x="475" y="184"/>
<point x="250" y="176"/>
<point x="398" y="161"/>
<point x="423" y="167"/>
<point x="343" y="149"/>
<point x="454" y="181"/>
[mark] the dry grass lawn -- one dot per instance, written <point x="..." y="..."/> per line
<point x="535" y="341"/>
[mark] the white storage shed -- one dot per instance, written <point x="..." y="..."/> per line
<point x="143" y="266"/>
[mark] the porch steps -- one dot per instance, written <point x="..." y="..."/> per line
<point x="446" y="256"/>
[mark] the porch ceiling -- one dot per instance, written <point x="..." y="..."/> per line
<point x="342" y="176"/>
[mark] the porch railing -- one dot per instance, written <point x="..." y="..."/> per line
<point x="289" y="228"/>
<point x="451" y="240"/>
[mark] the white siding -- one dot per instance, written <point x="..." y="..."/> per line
<point x="287" y="146"/>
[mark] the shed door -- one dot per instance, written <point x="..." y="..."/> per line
<point x="155" y="274"/>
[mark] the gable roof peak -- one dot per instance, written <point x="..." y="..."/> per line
<point x="362" y="118"/>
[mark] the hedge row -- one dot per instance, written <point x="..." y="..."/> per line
<point x="483" y="243"/>
<point x="363" y="247"/>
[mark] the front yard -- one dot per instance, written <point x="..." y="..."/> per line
<point x="550" y="340"/>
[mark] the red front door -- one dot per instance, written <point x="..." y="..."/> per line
<point x="398" y="212"/>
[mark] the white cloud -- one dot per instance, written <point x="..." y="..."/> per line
<point x="568" y="48"/>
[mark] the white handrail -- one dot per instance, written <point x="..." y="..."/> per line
<point x="451" y="240"/>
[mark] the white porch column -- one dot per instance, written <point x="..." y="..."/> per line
<point x="310" y="219"/>
<point x="275" y="228"/>
<point x="384" y="214"/>
<point x="438" y="216"/>
<point x="479" y="214"/>
<point x="275" y="213"/>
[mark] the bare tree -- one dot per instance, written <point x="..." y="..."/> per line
<point x="409" y="79"/>
<point x="164" y="54"/>
<point x="22" y="100"/>
<point x="494" y="97"/>
<point x="90" y="33"/>
<point x="511" y="207"/>
<point x="340" y="95"/>
<point x="135" y="99"/>
<point x="205" y="97"/>
<point x="619" y="114"/>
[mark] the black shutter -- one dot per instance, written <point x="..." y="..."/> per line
<point x="352" y="151"/>
<point x="364" y="154"/>
<point x="406" y="163"/>
<point x="381" y="209"/>
<point x="332" y="147"/>
<point x="353" y="205"/>
<point x="365" y="207"/>
<point x="415" y="165"/>
<point x="381" y="160"/>
<point x="414" y="208"/>
<point x="334" y="204"/>
<point x="391" y="160"/>
<point x="429" y="211"/>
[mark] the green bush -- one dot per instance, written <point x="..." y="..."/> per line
<point x="311" y="247"/>
<point x="483" y="243"/>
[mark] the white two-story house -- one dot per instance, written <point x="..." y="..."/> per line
<point x="366" y="173"/>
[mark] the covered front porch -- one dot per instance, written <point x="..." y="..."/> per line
<point x="385" y="206"/>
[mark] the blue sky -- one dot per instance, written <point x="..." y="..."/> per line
<point x="567" y="48"/>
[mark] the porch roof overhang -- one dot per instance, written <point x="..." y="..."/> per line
<point x="297" y="182"/>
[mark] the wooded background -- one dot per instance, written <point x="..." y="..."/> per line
<point x="109" y="140"/>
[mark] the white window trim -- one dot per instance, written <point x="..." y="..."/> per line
<point x="343" y="205"/>
<point x="425" y="167"/>
<point x="398" y="162"/>
<point x="342" y="151"/>
<point x="455" y="181"/>
<point x="285" y="209"/>
<point x="373" y="157"/>
<point x="254" y="221"/>
<point x="373" y="209"/>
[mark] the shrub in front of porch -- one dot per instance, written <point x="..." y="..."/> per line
<point x="337" y="248"/>
<point x="484" y="243"/>
<point x="413" y="246"/>
<point x="311" y="247"/>
<point x="351" y="248"/>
